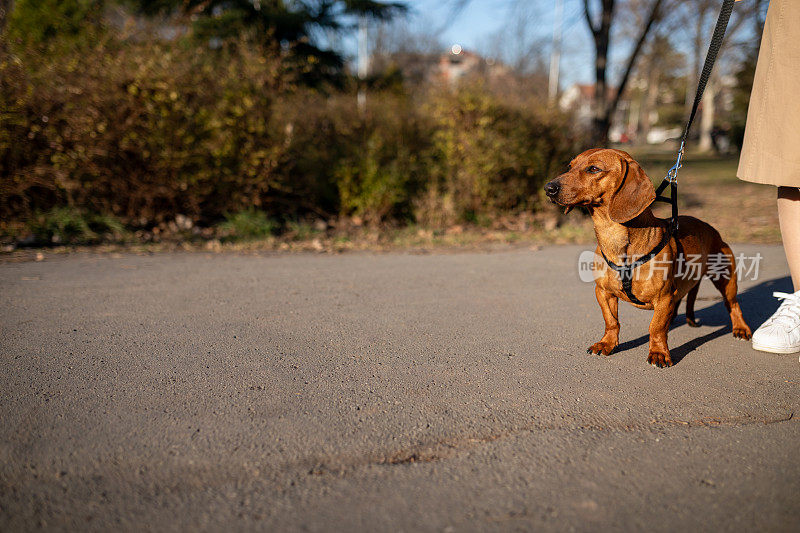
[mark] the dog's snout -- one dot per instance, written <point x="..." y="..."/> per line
<point x="552" y="188"/>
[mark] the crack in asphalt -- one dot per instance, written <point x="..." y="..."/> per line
<point x="447" y="448"/>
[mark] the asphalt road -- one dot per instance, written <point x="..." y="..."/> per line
<point x="380" y="392"/>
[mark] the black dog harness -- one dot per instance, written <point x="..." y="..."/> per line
<point x="625" y="271"/>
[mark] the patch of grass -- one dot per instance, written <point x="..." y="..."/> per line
<point x="300" y="231"/>
<point x="478" y="219"/>
<point x="250" y="224"/>
<point x="67" y="225"/>
<point x="709" y="190"/>
<point x="705" y="169"/>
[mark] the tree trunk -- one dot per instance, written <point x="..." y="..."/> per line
<point x="5" y="12"/>
<point x="707" y="118"/>
<point x="697" y="58"/>
<point x="759" y="22"/>
<point x="603" y="109"/>
<point x="650" y="100"/>
<point x="600" y="33"/>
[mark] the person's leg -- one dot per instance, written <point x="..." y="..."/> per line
<point x="781" y="332"/>
<point x="789" y="217"/>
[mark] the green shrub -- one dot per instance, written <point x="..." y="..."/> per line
<point x="249" y="224"/>
<point x="67" y="225"/>
<point x="384" y="167"/>
<point x="142" y="131"/>
<point x="489" y="157"/>
<point x="145" y="130"/>
<point x="48" y="23"/>
<point x="300" y="230"/>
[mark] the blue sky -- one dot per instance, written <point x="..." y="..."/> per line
<point x="477" y="26"/>
<point x="477" y="20"/>
<point x="480" y="21"/>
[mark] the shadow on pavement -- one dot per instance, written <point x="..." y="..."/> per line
<point x="757" y="303"/>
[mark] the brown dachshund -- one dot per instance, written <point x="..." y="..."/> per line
<point x="618" y="194"/>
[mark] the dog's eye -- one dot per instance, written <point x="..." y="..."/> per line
<point x="593" y="169"/>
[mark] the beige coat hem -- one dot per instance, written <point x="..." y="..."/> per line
<point x="771" y="147"/>
<point x="770" y="169"/>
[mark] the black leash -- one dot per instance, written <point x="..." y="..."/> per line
<point x="625" y="271"/>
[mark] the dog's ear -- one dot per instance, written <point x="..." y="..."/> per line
<point x="634" y="194"/>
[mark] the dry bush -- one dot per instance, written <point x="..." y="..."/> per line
<point x="141" y="131"/>
<point x="144" y="131"/>
<point x="490" y="157"/>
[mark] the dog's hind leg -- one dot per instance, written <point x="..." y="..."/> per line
<point x="726" y="284"/>
<point x="690" y="298"/>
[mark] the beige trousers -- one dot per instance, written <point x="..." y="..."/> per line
<point x="771" y="149"/>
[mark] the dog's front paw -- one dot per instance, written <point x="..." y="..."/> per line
<point x="742" y="332"/>
<point x="659" y="358"/>
<point x="599" y="348"/>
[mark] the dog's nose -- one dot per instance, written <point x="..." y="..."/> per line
<point x="552" y="188"/>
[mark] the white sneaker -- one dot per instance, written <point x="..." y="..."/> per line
<point x="781" y="332"/>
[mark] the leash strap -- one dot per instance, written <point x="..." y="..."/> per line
<point x="711" y="57"/>
<point x="625" y="271"/>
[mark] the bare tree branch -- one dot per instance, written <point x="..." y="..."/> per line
<point x="589" y="19"/>
<point x="5" y="11"/>
<point x="651" y="19"/>
<point x="455" y="11"/>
